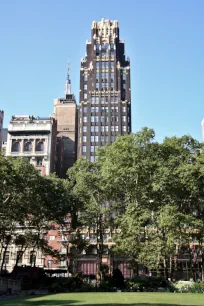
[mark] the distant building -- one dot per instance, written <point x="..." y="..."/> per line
<point x="33" y="138"/>
<point x="1" y="127"/>
<point x="4" y="139"/>
<point x="65" y="111"/>
<point x="202" y="125"/>
<point x="105" y="94"/>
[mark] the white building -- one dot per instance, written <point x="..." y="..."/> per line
<point x="1" y="126"/>
<point x="33" y="138"/>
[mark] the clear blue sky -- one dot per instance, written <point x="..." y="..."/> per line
<point x="164" y="39"/>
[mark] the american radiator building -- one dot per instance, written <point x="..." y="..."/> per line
<point x="105" y="93"/>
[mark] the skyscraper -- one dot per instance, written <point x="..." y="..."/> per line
<point x="105" y="98"/>
<point x="65" y="110"/>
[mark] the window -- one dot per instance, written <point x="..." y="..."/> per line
<point x="92" y="118"/>
<point x="92" y="159"/>
<point x="102" y="128"/>
<point x="97" y="65"/>
<point x="106" y="109"/>
<point x="112" y="47"/>
<point x="112" y="76"/>
<point x="92" y="109"/>
<point x="102" y="118"/>
<point x="106" y="138"/>
<point x="52" y="238"/>
<point x="32" y="258"/>
<point x="112" y="86"/>
<point x="39" y="162"/>
<point x="6" y="259"/>
<point x="96" y="118"/>
<point x="85" y="96"/>
<point x="124" y="86"/>
<point x="124" y="118"/>
<point x="85" y="86"/>
<point x="124" y="76"/>
<point x="92" y="128"/>
<point x="92" y="138"/>
<point x="102" y="138"/>
<point x="84" y="149"/>
<point x="102" y="99"/>
<point x="85" y="109"/>
<point x="97" y="100"/>
<point x="84" y="129"/>
<point x="92" y="100"/>
<point x="19" y="256"/>
<point x="102" y="85"/>
<point x="84" y="119"/>
<point x="102" y="76"/>
<point x="124" y="128"/>
<point x="112" y="65"/>
<point x="96" y="109"/>
<point x="16" y="146"/>
<point x="124" y="109"/>
<point x="92" y="149"/>
<point x="106" y="128"/>
<point x="40" y="146"/>
<point x="106" y="76"/>
<point x="116" y="108"/>
<point x="97" y="86"/>
<point x="63" y="263"/>
<point x="112" y="128"/>
<point x="84" y="138"/>
<point x="97" y="49"/>
<point x="97" y="77"/>
<point x="112" y="108"/>
<point x="103" y="65"/>
<point x="116" y="128"/>
<point x="96" y="128"/>
<point x="112" y="138"/>
<point x="28" y="146"/>
<point x="107" y="64"/>
<point x="96" y="138"/>
<point x="85" y="78"/>
<point x="49" y="263"/>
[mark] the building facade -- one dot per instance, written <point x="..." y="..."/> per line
<point x="33" y="138"/>
<point x="65" y="110"/>
<point x="1" y="127"/>
<point x="105" y="94"/>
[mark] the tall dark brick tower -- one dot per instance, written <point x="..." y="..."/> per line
<point x="105" y="97"/>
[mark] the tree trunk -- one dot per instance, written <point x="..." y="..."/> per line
<point x="3" y="259"/>
<point x="165" y="269"/>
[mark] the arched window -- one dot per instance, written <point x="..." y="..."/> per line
<point x="40" y="146"/>
<point x="28" y="146"/>
<point x="16" y="146"/>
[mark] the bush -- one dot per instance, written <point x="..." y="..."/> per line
<point x="146" y="284"/>
<point x="184" y="286"/>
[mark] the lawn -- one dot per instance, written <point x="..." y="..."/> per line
<point x="108" y="299"/>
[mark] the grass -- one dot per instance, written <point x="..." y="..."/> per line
<point x="110" y="299"/>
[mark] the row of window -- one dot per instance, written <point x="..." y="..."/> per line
<point x="103" y="109"/>
<point x="96" y="119"/>
<point x="28" y="146"/>
<point x="96" y="100"/>
<point x="104" y="75"/>
<point x="103" y="128"/>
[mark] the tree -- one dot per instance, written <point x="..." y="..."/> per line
<point x="88" y="186"/>
<point x="157" y="191"/>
